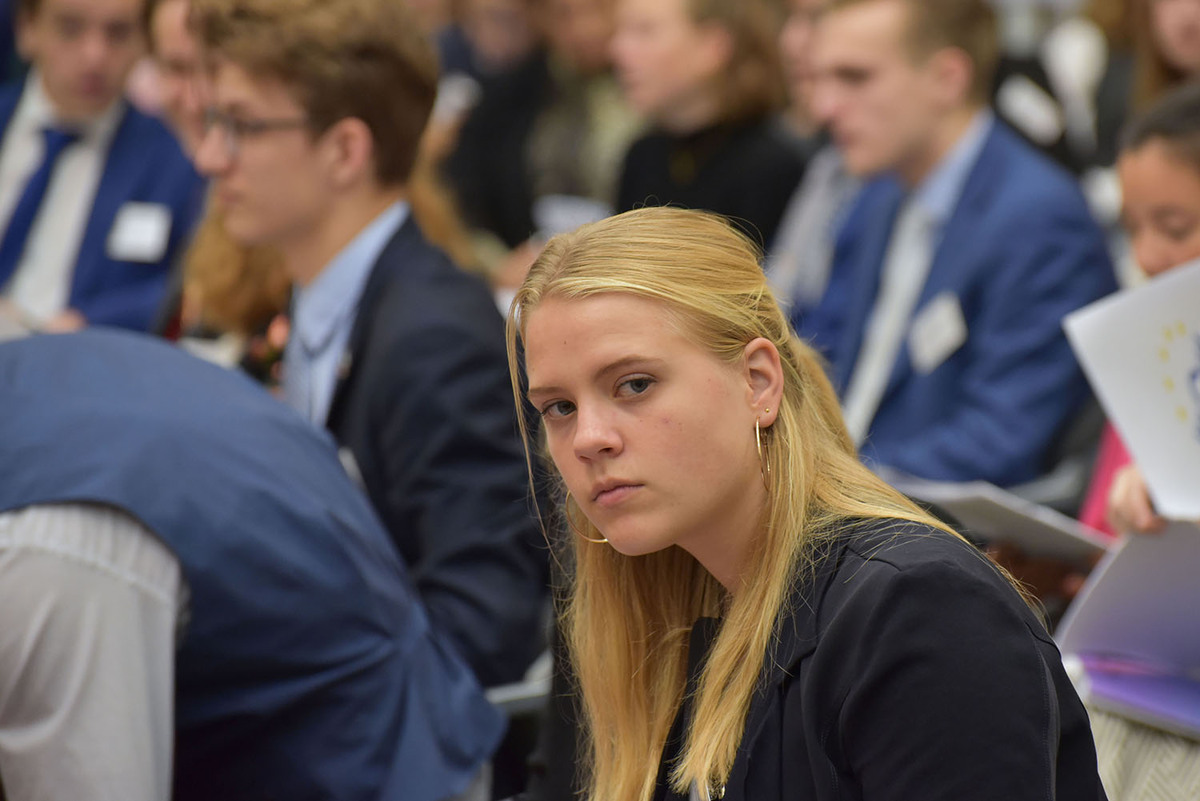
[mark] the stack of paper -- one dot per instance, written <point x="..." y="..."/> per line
<point x="1134" y="624"/>
<point x="992" y="515"/>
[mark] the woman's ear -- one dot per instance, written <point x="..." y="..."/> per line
<point x="764" y="379"/>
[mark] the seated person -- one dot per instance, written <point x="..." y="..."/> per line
<point x="1159" y="170"/>
<point x="197" y="603"/>
<point x="942" y="317"/>
<point x="95" y="197"/>
<point x="182" y="91"/>
<point x="753" y="614"/>
<point x="545" y="142"/>
<point x="799" y="261"/>
<point x="394" y="349"/>
<point x="708" y="77"/>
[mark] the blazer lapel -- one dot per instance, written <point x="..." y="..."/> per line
<point x="123" y="169"/>
<point x="864" y="276"/>
<point x="407" y="238"/>
<point x="9" y="98"/>
<point x="958" y="245"/>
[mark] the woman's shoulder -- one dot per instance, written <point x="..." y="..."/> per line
<point x="885" y="576"/>
<point x="901" y="544"/>
<point x="886" y="557"/>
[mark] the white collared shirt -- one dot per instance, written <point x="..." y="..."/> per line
<point x="41" y="285"/>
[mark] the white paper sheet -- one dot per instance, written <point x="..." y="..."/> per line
<point x="994" y="515"/>
<point x="1134" y="630"/>
<point x="1141" y="352"/>
<point x="1141" y="603"/>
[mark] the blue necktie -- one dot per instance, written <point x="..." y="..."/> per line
<point x="21" y="222"/>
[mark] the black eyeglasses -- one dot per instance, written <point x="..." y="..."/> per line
<point x="233" y="129"/>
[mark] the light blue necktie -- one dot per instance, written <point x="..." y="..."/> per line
<point x="21" y="222"/>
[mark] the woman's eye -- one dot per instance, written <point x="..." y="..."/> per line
<point x="557" y="409"/>
<point x="634" y="386"/>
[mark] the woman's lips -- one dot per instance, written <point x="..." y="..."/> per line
<point x="611" y="497"/>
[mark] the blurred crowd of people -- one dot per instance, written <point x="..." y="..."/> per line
<point x="340" y="200"/>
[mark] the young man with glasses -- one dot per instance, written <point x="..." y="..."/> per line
<point x="95" y="197"/>
<point x="318" y="109"/>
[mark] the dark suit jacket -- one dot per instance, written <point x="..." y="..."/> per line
<point x="145" y="165"/>
<point x="744" y="170"/>
<point x="1019" y="252"/>
<point x="424" y="403"/>
<point x="489" y="168"/>
<point x="909" y="669"/>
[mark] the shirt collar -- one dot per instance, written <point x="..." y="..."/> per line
<point x="37" y="111"/>
<point x="938" y="194"/>
<point x="332" y="297"/>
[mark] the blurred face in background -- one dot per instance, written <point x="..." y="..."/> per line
<point x="881" y="104"/>
<point x="431" y="15"/>
<point x="579" y="32"/>
<point x="83" y="50"/>
<point x="796" y="48"/>
<point x="1161" y="206"/>
<point x="668" y="63"/>
<point x="183" y="89"/>
<point x="501" y="31"/>
<point x="1175" y="26"/>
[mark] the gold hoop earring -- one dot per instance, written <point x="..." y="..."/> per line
<point x="575" y="529"/>
<point x="765" y="465"/>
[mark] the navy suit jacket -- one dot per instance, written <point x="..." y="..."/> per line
<point x="307" y="669"/>
<point x="424" y="404"/>
<point x="1018" y="253"/>
<point x="145" y="165"/>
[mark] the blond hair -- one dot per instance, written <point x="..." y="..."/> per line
<point x="362" y="59"/>
<point x="628" y="619"/>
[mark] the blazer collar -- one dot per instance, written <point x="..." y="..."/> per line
<point x="392" y="259"/>
<point x="959" y="243"/>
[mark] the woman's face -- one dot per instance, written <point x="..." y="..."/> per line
<point x="184" y="90"/>
<point x="666" y="62"/>
<point x="1161" y="211"/>
<point x="653" y="435"/>
<point x="795" y="47"/>
<point x="1176" y="28"/>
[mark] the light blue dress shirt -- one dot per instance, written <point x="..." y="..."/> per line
<point x="323" y="316"/>
<point x="938" y="194"/>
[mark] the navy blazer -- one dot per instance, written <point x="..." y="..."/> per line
<point x="145" y="165"/>
<point x="906" y="668"/>
<point x="1019" y="252"/>
<point x="307" y="669"/>
<point x="424" y="404"/>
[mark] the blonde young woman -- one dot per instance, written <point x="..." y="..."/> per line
<point x="752" y="614"/>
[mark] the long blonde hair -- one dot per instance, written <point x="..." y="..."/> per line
<point x="628" y="619"/>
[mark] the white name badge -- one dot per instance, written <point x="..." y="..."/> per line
<point x="140" y="233"/>
<point x="938" y="330"/>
